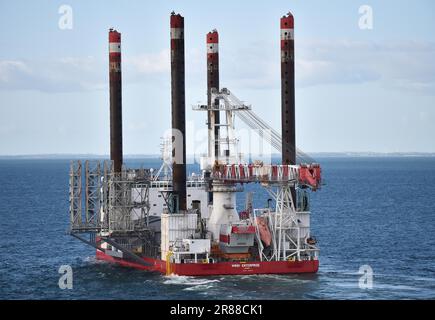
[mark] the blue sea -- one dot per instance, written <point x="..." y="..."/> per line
<point x="374" y="211"/>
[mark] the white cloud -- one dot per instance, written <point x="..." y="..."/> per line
<point x="402" y="65"/>
<point x="151" y="62"/>
<point x="398" y="65"/>
<point x="316" y="72"/>
<point x="10" y="68"/>
<point x="65" y="74"/>
<point x="13" y="72"/>
<point x="405" y="65"/>
<point x="68" y="74"/>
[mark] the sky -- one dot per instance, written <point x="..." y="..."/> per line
<point x="357" y="89"/>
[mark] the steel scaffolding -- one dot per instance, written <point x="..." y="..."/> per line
<point x="111" y="214"/>
<point x="93" y="193"/>
<point x="288" y="236"/>
<point x="112" y="202"/>
<point x="128" y="200"/>
<point x="75" y="194"/>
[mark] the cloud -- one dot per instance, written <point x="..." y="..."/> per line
<point x="151" y="63"/>
<point x="156" y="67"/>
<point x="404" y="65"/>
<point x="10" y="68"/>
<point x="68" y="74"/>
<point x="398" y="65"/>
<point x="65" y="74"/>
<point x="12" y="72"/>
<point x="317" y="72"/>
<point x="254" y="66"/>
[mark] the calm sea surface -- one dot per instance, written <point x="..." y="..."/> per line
<point x="378" y="212"/>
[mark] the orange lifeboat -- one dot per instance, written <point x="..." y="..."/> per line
<point x="264" y="231"/>
<point x="310" y="175"/>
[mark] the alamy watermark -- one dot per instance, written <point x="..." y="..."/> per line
<point x="66" y="19"/>
<point x="66" y="278"/>
<point x="366" y="280"/>
<point x="242" y="143"/>
<point x="365" y="21"/>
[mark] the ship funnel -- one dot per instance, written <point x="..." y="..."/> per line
<point x="115" y="99"/>
<point x="178" y="110"/>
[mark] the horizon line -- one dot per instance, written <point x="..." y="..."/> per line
<point x="155" y="155"/>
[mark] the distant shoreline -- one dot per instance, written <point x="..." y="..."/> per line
<point x="156" y="156"/>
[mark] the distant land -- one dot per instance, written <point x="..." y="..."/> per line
<point x="74" y="156"/>
<point x="274" y="155"/>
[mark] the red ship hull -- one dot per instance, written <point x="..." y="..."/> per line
<point x="221" y="268"/>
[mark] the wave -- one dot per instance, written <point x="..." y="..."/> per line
<point x="187" y="281"/>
